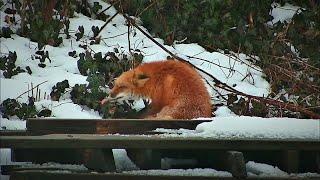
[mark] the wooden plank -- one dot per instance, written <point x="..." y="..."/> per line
<point x="104" y="126"/>
<point x="232" y="161"/>
<point x="100" y="160"/>
<point x="54" y="175"/>
<point x="42" y="155"/>
<point x="153" y="142"/>
<point x="9" y="169"/>
<point x="13" y="133"/>
<point x="52" y="126"/>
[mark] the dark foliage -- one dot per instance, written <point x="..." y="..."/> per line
<point x="241" y="26"/>
<point x="7" y="65"/>
<point x="59" y="89"/>
<point x="11" y="107"/>
<point x="101" y="70"/>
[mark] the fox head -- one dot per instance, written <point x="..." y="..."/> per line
<point x="127" y="86"/>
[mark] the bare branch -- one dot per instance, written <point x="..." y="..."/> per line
<point x="107" y="22"/>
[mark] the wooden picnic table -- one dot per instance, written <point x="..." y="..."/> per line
<point x="90" y="142"/>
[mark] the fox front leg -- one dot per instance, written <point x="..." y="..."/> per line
<point x="166" y="113"/>
<point x="150" y="112"/>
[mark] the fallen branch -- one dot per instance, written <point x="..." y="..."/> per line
<point x="222" y="85"/>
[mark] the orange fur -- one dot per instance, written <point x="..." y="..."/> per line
<point x="176" y="90"/>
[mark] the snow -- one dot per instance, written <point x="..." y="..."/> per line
<point x="255" y="169"/>
<point x="19" y="88"/>
<point x="253" y="85"/>
<point x="4" y="159"/>
<point x="256" y="127"/>
<point x="283" y="13"/>
<point x="183" y="172"/>
<point x="12" y="124"/>
<point x="114" y="35"/>
<point x="57" y="165"/>
<point x="122" y="161"/>
<point x="224" y="111"/>
<point x="264" y="169"/>
<point x="252" y="127"/>
<point x="67" y="109"/>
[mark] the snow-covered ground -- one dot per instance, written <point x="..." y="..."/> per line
<point x="62" y="67"/>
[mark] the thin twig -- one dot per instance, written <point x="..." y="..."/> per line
<point x="107" y="22"/>
<point x="208" y="61"/>
<point x="150" y="5"/>
<point x="39" y="98"/>
<point x="31" y="89"/>
<point x="114" y="36"/>
<point x="128" y="36"/>
<point x="108" y="8"/>
<point x="222" y="96"/>
<point x="36" y="94"/>
<point x="62" y="104"/>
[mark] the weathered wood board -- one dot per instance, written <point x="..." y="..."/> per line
<point x="13" y="133"/>
<point x="105" y="126"/>
<point x="154" y="142"/>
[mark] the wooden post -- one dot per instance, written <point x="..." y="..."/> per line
<point x="232" y="161"/>
<point x="290" y="161"/>
<point x="235" y="164"/>
<point x="145" y="158"/>
<point x="318" y="162"/>
<point x="100" y="160"/>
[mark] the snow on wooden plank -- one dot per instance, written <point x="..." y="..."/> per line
<point x="252" y="127"/>
<point x="8" y="169"/>
<point x="67" y="175"/>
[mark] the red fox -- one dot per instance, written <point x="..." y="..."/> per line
<point x="175" y="89"/>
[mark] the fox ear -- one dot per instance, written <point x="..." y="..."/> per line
<point x="141" y="79"/>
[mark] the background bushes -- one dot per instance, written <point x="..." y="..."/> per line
<point x="288" y="52"/>
<point x="241" y="26"/>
